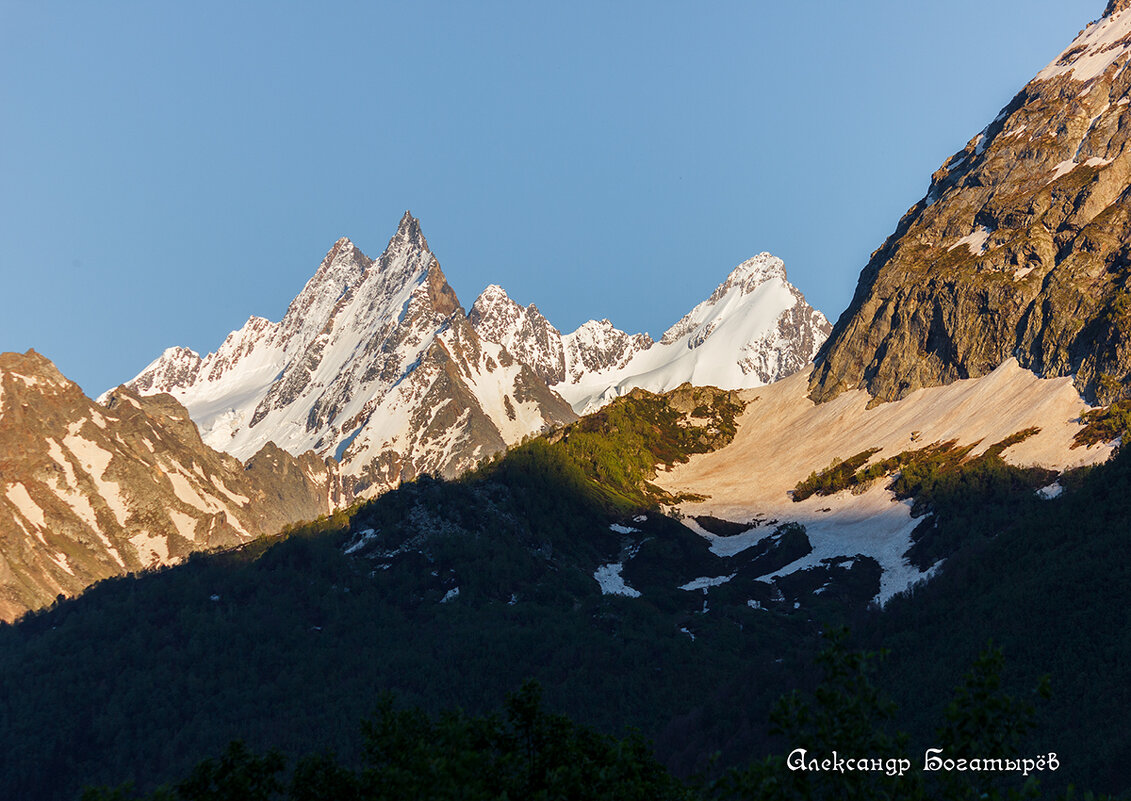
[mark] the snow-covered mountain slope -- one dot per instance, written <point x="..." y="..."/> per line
<point x="594" y="347"/>
<point x="89" y="491"/>
<point x="524" y="332"/>
<point x="783" y="436"/>
<point x="754" y="329"/>
<point x="597" y="346"/>
<point x="374" y="364"/>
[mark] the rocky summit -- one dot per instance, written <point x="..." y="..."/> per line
<point x="1019" y="248"/>
<point x="89" y="491"/>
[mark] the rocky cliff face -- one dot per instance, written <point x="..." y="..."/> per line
<point x="1020" y="247"/>
<point x="374" y="364"/>
<point x="89" y="491"/>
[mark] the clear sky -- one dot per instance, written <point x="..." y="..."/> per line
<point x="168" y="169"/>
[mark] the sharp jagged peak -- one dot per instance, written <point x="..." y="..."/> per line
<point x="603" y="329"/>
<point x="756" y="270"/>
<point x="494" y="296"/>
<point x="179" y="352"/>
<point x="604" y="324"/>
<point x="748" y="276"/>
<point x="492" y="302"/>
<point x="408" y="235"/>
<point x="493" y="292"/>
<point x="344" y="250"/>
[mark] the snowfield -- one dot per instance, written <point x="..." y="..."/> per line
<point x="783" y="437"/>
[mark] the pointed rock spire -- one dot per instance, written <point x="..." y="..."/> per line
<point x="409" y="233"/>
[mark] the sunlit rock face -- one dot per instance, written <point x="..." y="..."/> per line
<point x="1019" y="249"/>
<point x="89" y="491"/>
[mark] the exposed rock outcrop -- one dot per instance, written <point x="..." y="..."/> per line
<point x="89" y="491"/>
<point x="1019" y="249"/>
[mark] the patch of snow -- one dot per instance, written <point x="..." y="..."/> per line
<point x="184" y="490"/>
<point x="728" y="545"/>
<point x="975" y="241"/>
<point x="30" y="380"/>
<point x="94" y="460"/>
<point x="360" y="540"/>
<point x="755" y="604"/>
<point x="151" y="549"/>
<point x="85" y="512"/>
<point x="1099" y="46"/>
<point x="1063" y="168"/>
<point x="62" y="561"/>
<point x="235" y="496"/>
<point x="707" y="581"/>
<point x="619" y="529"/>
<point x="184" y="524"/>
<point x="1068" y="165"/>
<point x="1053" y="490"/>
<point x="450" y="595"/>
<point x="17" y="493"/>
<point x="611" y="582"/>
<point x="871" y="524"/>
<point x="688" y="633"/>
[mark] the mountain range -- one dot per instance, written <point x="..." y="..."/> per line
<point x="377" y="365"/>
<point x="497" y="500"/>
<point x="374" y="376"/>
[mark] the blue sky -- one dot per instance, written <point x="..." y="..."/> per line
<point x="167" y="170"/>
